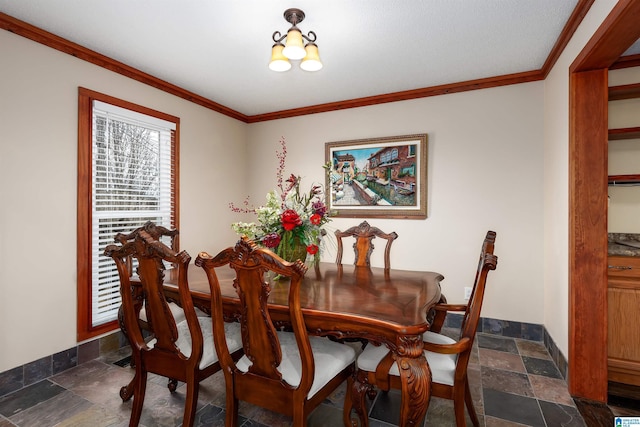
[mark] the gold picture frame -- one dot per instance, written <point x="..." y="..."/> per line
<point x="378" y="177"/>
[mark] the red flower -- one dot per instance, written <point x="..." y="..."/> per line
<point x="271" y="240"/>
<point x="315" y="219"/>
<point x="312" y="249"/>
<point x="290" y="219"/>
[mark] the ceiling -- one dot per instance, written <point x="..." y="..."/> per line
<point x="220" y="49"/>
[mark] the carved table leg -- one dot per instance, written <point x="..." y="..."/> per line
<point x="416" y="381"/>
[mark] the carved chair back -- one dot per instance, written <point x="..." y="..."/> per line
<point x="488" y="261"/>
<point x="363" y="245"/>
<point x="259" y="333"/>
<point x="155" y="231"/>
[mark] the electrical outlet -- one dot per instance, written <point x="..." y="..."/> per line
<point x="467" y="293"/>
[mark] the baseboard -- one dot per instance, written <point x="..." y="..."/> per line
<point x="38" y="370"/>
<point x="520" y="330"/>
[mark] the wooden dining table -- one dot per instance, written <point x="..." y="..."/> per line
<point x="385" y="307"/>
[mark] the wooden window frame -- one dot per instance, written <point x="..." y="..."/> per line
<point x="85" y="330"/>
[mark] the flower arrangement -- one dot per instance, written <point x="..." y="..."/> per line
<point x="290" y="223"/>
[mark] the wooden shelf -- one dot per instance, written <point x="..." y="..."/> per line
<point x="623" y="179"/>
<point x="624" y="92"/>
<point x="624" y="133"/>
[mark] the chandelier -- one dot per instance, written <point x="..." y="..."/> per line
<point x="293" y="49"/>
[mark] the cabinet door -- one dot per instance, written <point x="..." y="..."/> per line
<point x="624" y="334"/>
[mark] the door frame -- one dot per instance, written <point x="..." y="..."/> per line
<point x="588" y="146"/>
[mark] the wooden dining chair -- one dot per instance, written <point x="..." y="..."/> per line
<point x="448" y="358"/>
<point x="286" y="372"/>
<point x="157" y="232"/>
<point x="182" y="351"/>
<point x="363" y="245"/>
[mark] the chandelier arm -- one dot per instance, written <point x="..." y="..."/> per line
<point x="278" y="37"/>
<point x="311" y="38"/>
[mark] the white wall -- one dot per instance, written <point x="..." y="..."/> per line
<point x="556" y="179"/>
<point x="38" y="175"/>
<point x="484" y="173"/>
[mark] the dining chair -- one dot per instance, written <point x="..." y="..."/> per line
<point x="182" y="351"/>
<point x="363" y="245"/>
<point x="158" y="232"/>
<point x="286" y="372"/>
<point x="448" y="358"/>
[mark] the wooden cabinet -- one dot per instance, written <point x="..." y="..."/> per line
<point x="624" y="319"/>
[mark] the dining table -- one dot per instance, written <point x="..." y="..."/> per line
<point x="383" y="306"/>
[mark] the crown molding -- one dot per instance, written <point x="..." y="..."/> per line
<point x="46" y="38"/>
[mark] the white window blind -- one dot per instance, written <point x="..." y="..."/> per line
<point x="132" y="184"/>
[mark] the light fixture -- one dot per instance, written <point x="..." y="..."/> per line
<point x="293" y="49"/>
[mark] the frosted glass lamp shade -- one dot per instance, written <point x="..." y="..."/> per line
<point x="311" y="61"/>
<point x="293" y="48"/>
<point x="279" y="62"/>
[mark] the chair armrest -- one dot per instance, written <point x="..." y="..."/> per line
<point x="457" y="348"/>
<point x="450" y="307"/>
<point x="438" y="312"/>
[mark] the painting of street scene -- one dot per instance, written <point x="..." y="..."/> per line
<point x="376" y="175"/>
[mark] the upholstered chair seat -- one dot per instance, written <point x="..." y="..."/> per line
<point x="333" y="357"/>
<point x="209" y="355"/>
<point x="443" y="366"/>
<point x="176" y="311"/>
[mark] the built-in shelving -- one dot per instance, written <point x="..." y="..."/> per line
<point x="617" y="93"/>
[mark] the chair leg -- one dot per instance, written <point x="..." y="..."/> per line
<point x="191" y="402"/>
<point x="355" y="400"/>
<point x="231" y="419"/>
<point x="348" y="405"/>
<point x="138" y="397"/>
<point x="458" y="406"/>
<point x="468" y="399"/>
<point x="126" y="392"/>
<point x="299" y="418"/>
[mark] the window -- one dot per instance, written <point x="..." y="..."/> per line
<point x="127" y="175"/>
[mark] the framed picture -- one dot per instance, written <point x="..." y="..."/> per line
<point x="378" y="178"/>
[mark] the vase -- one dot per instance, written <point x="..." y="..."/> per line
<point x="292" y="250"/>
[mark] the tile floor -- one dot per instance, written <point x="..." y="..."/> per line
<point x="514" y="383"/>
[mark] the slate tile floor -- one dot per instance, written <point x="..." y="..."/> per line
<point x="514" y="383"/>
